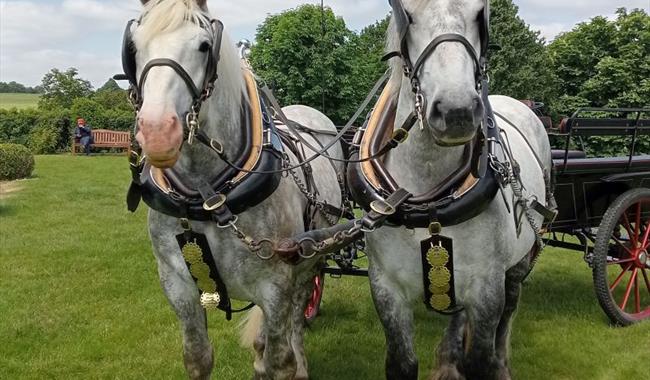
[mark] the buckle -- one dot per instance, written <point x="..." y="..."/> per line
<point x="266" y="137"/>
<point x="216" y="146"/>
<point x="435" y="228"/>
<point x="185" y="224"/>
<point x="382" y="207"/>
<point x="400" y="135"/>
<point x="214" y="202"/>
<point x="134" y="158"/>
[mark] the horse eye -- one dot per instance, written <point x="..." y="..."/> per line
<point x="205" y="46"/>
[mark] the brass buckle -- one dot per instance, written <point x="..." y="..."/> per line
<point x="435" y="228"/>
<point x="400" y="135"/>
<point x="382" y="207"/>
<point x="214" y="202"/>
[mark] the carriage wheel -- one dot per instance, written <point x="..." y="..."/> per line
<point x="622" y="258"/>
<point x="313" y="307"/>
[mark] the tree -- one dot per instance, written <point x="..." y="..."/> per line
<point x="365" y="52"/>
<point x="112" y="97"/>
<point x="110" y="85"/>
<point x="60" y="88"/>
<point x="17" y="88"/>
<point x="521" y="68"/>
<point x="605" y="63"/>
<point x="302" y="54"/>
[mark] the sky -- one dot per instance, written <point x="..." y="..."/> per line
<point x="38" y="35"/>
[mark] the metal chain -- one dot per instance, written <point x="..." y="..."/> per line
<point x="318" y="247"/>
<point x="320" y="205"/>
<point x="505" y="170"/>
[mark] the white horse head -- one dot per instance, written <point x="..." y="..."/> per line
<point x="447" y="70"/>
<point x="181" y="32"/>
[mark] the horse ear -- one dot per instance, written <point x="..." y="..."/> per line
<point x="201" y="3"/>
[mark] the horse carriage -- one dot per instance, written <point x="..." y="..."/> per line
<point x="603" y="203"/>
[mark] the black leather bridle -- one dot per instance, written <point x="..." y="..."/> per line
<point x="199" y="95"/>
<point x="403" y="21"/>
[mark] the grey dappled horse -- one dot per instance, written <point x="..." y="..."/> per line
<point x="490" y="258"/>
<point x="181" y="30"/>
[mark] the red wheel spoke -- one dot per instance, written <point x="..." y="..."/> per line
<point x="620" y="277"/>
<point x="637" y="296"/>
<point x="644" y="244"/>
<point x="620" y="261"/>
<point x="645" y="276"/>
<point x="637" y="224"/>
<point x="628" y="289"/>
<point x="628" y="227"/>
<point x="624" y="247"/>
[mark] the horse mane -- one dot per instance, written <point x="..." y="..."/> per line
<point x="393" y="44"/>
<point x="164" y="16"/>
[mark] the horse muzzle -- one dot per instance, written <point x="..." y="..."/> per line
<point x="161" y="139"/>
<point x="453" y="126"/>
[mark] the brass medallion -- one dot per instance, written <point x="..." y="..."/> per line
<point x="210" y="301"/>
<point x="439" y="289"/>
<point x="440" y="302"/>
<point x="439" y="276"/>
<point x="193" y="254"/>
<point x="437" y="256"/>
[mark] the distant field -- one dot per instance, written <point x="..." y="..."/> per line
<point x="18" y="100"/>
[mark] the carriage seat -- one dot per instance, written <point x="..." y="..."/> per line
<point x="559" y="154"/>
<point x="610" y="165"/>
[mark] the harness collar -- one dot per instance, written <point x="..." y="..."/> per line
<point x="459" y="197"/>
<point x="168" y="192"/>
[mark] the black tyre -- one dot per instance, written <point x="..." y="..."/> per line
<point x="621" y="269"/>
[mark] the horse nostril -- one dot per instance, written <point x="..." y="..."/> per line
<point x="435" y="111"/>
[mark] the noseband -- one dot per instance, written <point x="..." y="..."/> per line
<point x="198" y="95"/>
<point x="403" y="21"/>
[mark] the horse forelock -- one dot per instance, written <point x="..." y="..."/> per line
<point x="164" y="16"/>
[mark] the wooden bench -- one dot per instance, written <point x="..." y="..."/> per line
<point x="104" y="138"/>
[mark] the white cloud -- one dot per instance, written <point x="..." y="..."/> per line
<point x="37" y="35"/>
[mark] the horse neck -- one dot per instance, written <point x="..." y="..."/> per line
<point x="419" y="164"/>
<point x="220" y="119"/>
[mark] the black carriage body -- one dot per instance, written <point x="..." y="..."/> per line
<point x="586" y="187"/>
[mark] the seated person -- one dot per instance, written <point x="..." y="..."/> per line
<point x="83" y="133"/>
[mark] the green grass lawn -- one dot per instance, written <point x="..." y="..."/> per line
<point x="79" y="299"/>
<point x="18" y="100"/>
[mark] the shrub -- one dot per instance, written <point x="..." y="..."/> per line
<point x="16" y="161"/>
<point x="16" y="124"/>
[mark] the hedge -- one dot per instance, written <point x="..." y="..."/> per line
<point x="16" y="161"/>
<point x="50" y="131"/>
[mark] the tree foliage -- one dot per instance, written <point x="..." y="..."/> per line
<point x="60" y="88"/>
<point x="521" y="68"/>
<point x="18" y="88"/>
<point x="604" y="63"/>
<point x="302" y="54"/>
